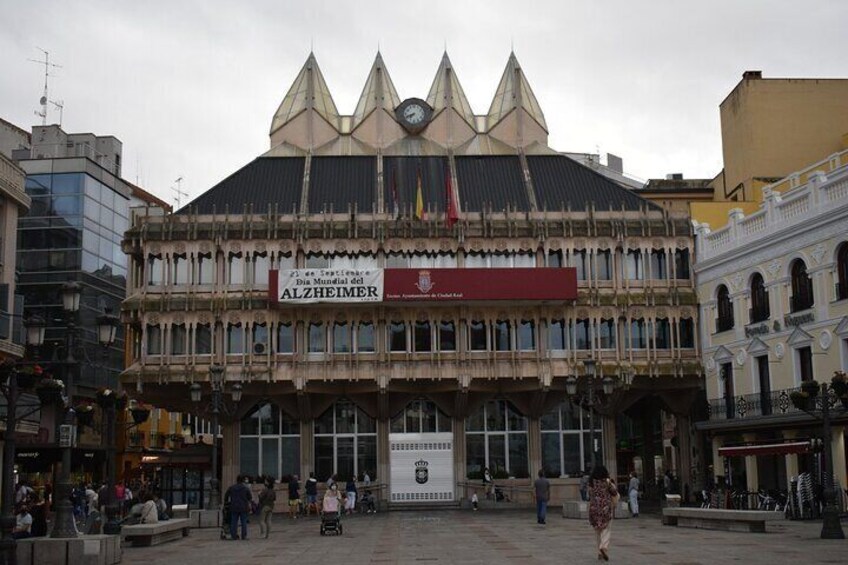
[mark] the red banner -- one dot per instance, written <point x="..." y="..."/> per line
<point x="480" y="284"/>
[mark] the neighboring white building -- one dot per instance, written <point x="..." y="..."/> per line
<point x="773" y="290"/>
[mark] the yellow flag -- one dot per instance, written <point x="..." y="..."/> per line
<point x="419" y="201"/>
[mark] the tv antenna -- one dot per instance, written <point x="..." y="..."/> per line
<point x="44" y="99"/>
<point x="178" y="192"/>
<point x="60" y="105"/>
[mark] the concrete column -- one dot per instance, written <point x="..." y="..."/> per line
<point x="791" y="459"/>
<point x="231" y="454"/>
<point x="609" y="443"/>
<point x="459" y="474"/>
<point x="718" y="461"/>
<point x="307" y="450"/>
<point x="649" y="469"/>
<point x="684" y="456"/>
<point x="837" y="447"/>
<point x="383" y="456"/>
<point x="751" y="472"/>
<point x="534" y="446"/>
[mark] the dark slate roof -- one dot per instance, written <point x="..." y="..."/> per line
<point x="336" y="182"/>
<point x="264" y="181"/>
<point x="402" y="172"/>
<point x="559" y="181"/>
<point x="491" y="183"/>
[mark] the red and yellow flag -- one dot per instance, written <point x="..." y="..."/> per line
<point x="419" y="201"/>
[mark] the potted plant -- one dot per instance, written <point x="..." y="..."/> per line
<point x="105" y="397"/>
<point x="811" y="387"/>
<point x="85" y="414"/>
<point x="801" y="399"/>
<point x="839" y="384"/>
<point x="29" y="375"/>
<point x="50" y="391"/>
<point x="140" y="413"/>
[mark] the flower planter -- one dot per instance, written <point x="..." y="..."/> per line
<point x="140" y="415"/>
<point x="801" y="400"/>
<point x="811" y="388"/>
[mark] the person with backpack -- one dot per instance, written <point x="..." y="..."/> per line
<point x="311" y="494"/>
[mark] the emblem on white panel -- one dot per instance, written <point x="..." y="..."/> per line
<point x="425" y="283"/>
<point x="422" y="473"/>
<point x="825" y="340"/>
<point x="779" y="350"/>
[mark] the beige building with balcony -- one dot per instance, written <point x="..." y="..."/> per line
<point x="404" y="291"/>
<point x="773" y="289"/>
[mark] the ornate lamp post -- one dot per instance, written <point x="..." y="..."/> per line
<point x="608" y="385"/>
<point x="815" y="399"/>
<point x="216" y="406"/>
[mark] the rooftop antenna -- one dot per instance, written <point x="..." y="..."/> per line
<point x="178" y="192"/>
<point x="60" y="105"/>
<point x="43" y="101"/>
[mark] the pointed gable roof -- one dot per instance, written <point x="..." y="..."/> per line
<point x="799" y="337"/>
<point x="446" y="92"/>
<point x="514" y="92"/>
<point x="309" y="89"/>
<point x="379" y="92"/>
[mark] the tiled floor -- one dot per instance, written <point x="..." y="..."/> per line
<point x="437" y="537"/>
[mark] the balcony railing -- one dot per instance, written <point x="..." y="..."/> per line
<point x="758" y="314"/>
<point x="769" y="403"/>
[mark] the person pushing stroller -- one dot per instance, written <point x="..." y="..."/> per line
<point x="331" y="511"/>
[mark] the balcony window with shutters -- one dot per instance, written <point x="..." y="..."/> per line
<point x="681" y="264"/>
<point x="397" y="337"/>
<point x="285" y="338"/>
<point x="580" y="261"/>
<point x="260" y="339"/>
<point x="205" y="269"/>
<point x="554" y="258"/>
<point x="764" y="380"/>
<point x="180" y="272"/>
<point x="155" y="272"/>
<point x="235" y="269"/>
<point x="477" y="336"/>
<point x="557" y="335"/>
<point x="447" y="335"/>
<point x="802" y="287"/>
<point x="726" y="374"/>
<point x="633" y="269"/>
<point x="501" y="335"/>
<point x="235" y="339"/>
<point x="341" y="337"/>
<point x="154" y="340"/>
<point x="423" y="337"/>
<point x="365" y="337"/>
<point x="659" y="269"/>
<point x="202" y="339"/>
<point x="604" y="260"/>
<point x="842" y="272"/>
<point x="261" y="266"/>
<point x="582" y="334"/>
<point x="759" y="300"/>
<point x="316" y="338"/>
<point x="606" y="333"/>
<point x="526" y="335"/>
<point x="725" y="309"/>
<point x="179" y="337"/>
<point x="687" y="333"/>
<point x="638" y="334"/>
<point x="662" y="333"/>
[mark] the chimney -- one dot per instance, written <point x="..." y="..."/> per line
<point x="615" y="163"/>
<point x="674" y="176"/>
<point x="752" y="75"/>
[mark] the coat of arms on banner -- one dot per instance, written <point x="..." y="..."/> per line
<point x="425" y="283"/>
<point x="422" y="474"/>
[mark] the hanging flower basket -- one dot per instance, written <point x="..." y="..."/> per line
<point x="811" y="387"/>
<point x="801" y="400"/>
<point x="85" y="414"/>
<point x="121" y="401"/>
<point x="50" y="391"/>
<point x="106" y="397"/>
<point x="839" y="383"/>
<point x="29" y="375"/>
<point x="140" y="414"/>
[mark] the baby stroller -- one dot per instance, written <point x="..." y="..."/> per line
<point x="331" y="521"/>
<point x="226" y="516"/>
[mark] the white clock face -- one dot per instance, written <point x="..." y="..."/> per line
<point x="414" y="114"/>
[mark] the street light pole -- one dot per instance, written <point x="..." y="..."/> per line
<point x="8" y="551"/>
<point x="831" y="525"/>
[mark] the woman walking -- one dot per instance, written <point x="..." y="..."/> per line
<point x="267" y="498"/>
<point x="603" y="496"/>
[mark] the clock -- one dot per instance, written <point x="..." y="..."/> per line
<point x="414" y="114"/>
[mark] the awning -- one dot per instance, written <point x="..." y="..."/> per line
<point x="765" y="449"/>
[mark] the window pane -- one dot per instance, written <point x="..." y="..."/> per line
<point x="285" y="338"/>
<point x="604" y="259"/>
<point x="260" y="269"/>
<point x="550" y="420"/>
<point x="365" y="424"/>
<point x="203" y="339"/>
<point x="154" y="340"/>
<point x="447" y="336"/>
<point x="412" y="414"/>
<point x="527" y="335"/>
<point x="260" y="339"/>
<point x="423" y="336"/>
<point x="324" y="424"/>
<point x="444" y="422"/>
<point x="341" y="338"/>
<point x="365" y="337"/>
<point x="550" y="454"/>
<point x="270" y="456"/>
<point x="291" y="456"/>
<point x="477" y="336"/>
<point x="428" y="417"/>
<point x="235" y="339"/>
<point x="178" y="340"/>
<point x="397" y="336"/>
<point x="250" y="423"/>
<point x="557" y="335"/>
<point x="554" y="258"/>
<point x="270" y="423"/>
<point x="579" y="261"/>
<point x="317" y="262"/>
<point x="206" y="269"/>
<point x="517" y="422"/>
<point x="475" y="422"/>
<point x="345" y="417"/>
<point x="317" y="341"/>
<point x="475" y="261"/>
<point x="495" y="417"/>
<point x="345" y="461"/>
<point x="475" y="453"/>
<point x="398" y="421"/>
<point x="324" y="460"/>
<point x="582" y="338"/>
<point x="249" y="460"/>
<point x="366" y="455"/>
<point x="497" y="453"/>
<point x="518" y="455"/>
<point x="236" y="269"/>
<point x="502" y="342"/>
<point x="572" y="462"/>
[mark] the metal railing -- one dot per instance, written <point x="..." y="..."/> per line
<point x="752" y="405"/>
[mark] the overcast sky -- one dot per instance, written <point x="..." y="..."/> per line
<point x="191" y="87"/>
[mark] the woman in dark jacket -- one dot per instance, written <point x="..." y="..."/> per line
<point x="239" y="497"/>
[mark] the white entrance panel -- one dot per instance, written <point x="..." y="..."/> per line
<point x="421" y="467"/>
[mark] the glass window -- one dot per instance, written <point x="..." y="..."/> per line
<point x="638" y="334"/>
<point x="67" y="183"/>
<point x="397" y="261"/>
<point x="527" y="335"/>
<point x="501" y="445"/>
<point x="687" y="333"/>
<point x="445" y="261"/>
<point x="802" y="287"/>
<point x="423" y="336"/>
<point x="286" y="261"/>
<point x="659" y="271"/>
<point x="633" y="269"/>
<point x="235" y="268"/>
<point x="604" y="260"/>
<point x="65" y="206"/>
<point x="447" y="336"/>
<point x="278" y="438"/>
<point x="554" y="258"/>
<point x="397" y="336"/>
<point x="205" y="269"/>
<point x="583" y="334"/>
<point x="477" y="336"/>
<point x="725" y="309"/>
<point x="260" y="338"/>
<point x="285" y="338"/>
<point x="249" y="456"/>
<point x="235" y="338"/>
<point x="566" y="449"/>
<point x="365" y="337"/>
<point x="580" y="263"/>
<point x="681" y="263"/>
<point x="557" y="335"/>
<point x="154" y="340"/>
<point x="38" y="185"/>
<point x="341" y="337"/>
<point x="154" y="270"/>
<point x="317" y="338"/>
<point x="345" y="442"/>
<point x="500" y="260"/>
<point x="502" y="335"/>
<point x="180" y="263"/>
<point x="203" y="339"/>
<point x="606" y="333"/>
<point x="759" y="299"/>
<point x="524" y="260"/>
<point x="476" y="261"/>
<point x="317" y="261"/>
<point x="662" y="333"/>
<point x="179" y="338"/>
<point x="261" y="266"/>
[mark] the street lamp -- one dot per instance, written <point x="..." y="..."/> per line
<point x="216" y="406"/>
<point x="608" y="385"/>
<point x="35" y="328"/>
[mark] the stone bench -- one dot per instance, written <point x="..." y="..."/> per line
<point x="719" y="519"/>
<point x="154" y="534"/>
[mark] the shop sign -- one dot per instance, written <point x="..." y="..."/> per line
<point x="305" y="286"/>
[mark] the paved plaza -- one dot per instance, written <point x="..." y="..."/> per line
<point x="434" y="537"/>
